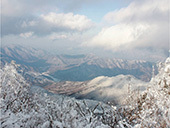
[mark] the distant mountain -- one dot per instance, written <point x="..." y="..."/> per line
<point x="106" y="89"/>
<point x="29" y="58"/>
<point x="74" y="67"/>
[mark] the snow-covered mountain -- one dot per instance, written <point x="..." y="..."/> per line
<point x="103" y="88"/>
<point x="74" y="67"/>
<point x="22" y="108"/>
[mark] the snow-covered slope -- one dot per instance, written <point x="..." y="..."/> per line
<point x="20" y="108"/>
<point x="112" y="88"/>
<point x="151" y="108"/>
<point x="101" y="88"/>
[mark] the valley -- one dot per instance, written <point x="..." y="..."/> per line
<point x="74" y="67"/>
<point x="79" y="76"/>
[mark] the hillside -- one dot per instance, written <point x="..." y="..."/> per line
<point x="22" y="108"/>
<point x="105" y="89"/>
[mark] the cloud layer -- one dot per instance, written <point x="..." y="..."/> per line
<point x="141" y="24"/>
<point x="140" y="27"/>
<point x="68" y="21"/>
<point x="40" y="17"/>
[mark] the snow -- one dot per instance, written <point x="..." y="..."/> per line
<point x="21" y="108"/>
<point x="109" y="88"/>
<point x="167" y="69"/>
<point x="167" y="60"/>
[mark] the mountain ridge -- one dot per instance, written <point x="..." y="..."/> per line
<point x="102" y="88"/>
<point x="74" y="67"/>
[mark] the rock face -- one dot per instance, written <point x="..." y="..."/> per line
<point x="74" y="67"/>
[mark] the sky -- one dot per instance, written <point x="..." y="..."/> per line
<point x="127" y="29"/>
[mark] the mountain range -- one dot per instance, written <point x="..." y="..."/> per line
<point x="79" y="76"/>
<point x="73" y="67"/>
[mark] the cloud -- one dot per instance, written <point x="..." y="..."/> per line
<point x="142" y="24"/>
<point x="17" y="8"/>
<point x="29" y="24"/>
<point x="119" y="36"/>
<point x="46" y="24"/>
<point x="21" y="7"/>
<point x="72" y="5"/>
<point x="56" y="36"/>
<point x="27" y="34"/>
<point x="11" y="8"/>
<point x="53" y="22"/>
<point x="56" y="43"/>
<point x="68" y="21"/>
<point x="40" y="16"/>
<point x="149" y="11"/>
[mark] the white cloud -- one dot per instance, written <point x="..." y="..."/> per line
<point x="118" y="35"/>
<point x="68" y="21"/>
<point x="27" y="34"/>
<point x="29" y="24"/>
<point x="55" y="36"/>
<point x="140" y="11"/>
<point x="141" y="24"/>
<point x="22" y="7"/>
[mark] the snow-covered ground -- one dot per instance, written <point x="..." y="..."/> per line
<point x="21" y="108"/>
